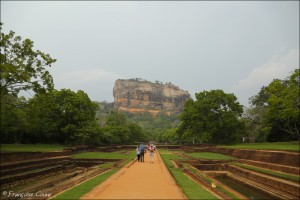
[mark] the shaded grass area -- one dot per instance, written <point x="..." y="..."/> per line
<point x="108" y="155"/>
<point x="32" y="147"/>
<point x="285" y="146"/>
<point x="270" y="172"/>
<point x="210" y="156"/>
<point x="191" y="189"/>
<point x="208" y="180"/>
<point x="227" y="193"/>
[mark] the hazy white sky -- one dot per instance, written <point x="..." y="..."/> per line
<point x="198" y="45"/>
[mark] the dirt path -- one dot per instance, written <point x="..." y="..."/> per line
<point x="139" y="181"/>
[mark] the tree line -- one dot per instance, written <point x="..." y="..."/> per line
<point x="64" y="117"/>
<point x="68" y="117"/>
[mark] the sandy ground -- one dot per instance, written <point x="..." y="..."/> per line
<point x="139" y="181"/>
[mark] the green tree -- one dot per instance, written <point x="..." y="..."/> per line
<point x="62" y="116"/>
<point x="116" y="119"/>
<point x="90" y="132"/>
<point x="44" y="119"/>
<point x="169" y="136"/>
<point x="14" y="120"/>
<point x="283" y="108"/>
<point x="22" y="67"/>
<point x="277" y="108"/>
<point x="155" y="126"/>
<point x="254" y="120"/>
<point x="118" y="130"/>
<point x="136" y="133"/>
<point x="212" y="118"/>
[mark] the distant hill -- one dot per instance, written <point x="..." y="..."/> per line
<point x="104" y="108"/>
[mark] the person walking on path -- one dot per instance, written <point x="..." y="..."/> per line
<point x="151" y="154"/>
<point x="138" y="152"/>
<point x="142" y="147"/>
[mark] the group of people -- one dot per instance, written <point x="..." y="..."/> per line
<point x="141" y="150"/>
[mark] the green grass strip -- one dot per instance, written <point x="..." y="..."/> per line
<point x="106" y="155"/>
<point x="269" y="172"/>
<point x="210" y="156"/>
<point x="285" y="146"/>
<point x="80" y="190"/>
<point x="32" y="147"/>
<point x="191" y="189"/>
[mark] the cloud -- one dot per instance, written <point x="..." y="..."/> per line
<point x="277" y="67"/>
<point x="88" y="76"/>
<point x="97" y="83"/>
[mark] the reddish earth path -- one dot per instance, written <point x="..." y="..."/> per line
<point x="139" y="181"/>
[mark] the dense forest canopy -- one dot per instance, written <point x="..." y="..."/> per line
<point x="68" y="117"/>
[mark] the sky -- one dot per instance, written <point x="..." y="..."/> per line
<point x="236" y="46"/>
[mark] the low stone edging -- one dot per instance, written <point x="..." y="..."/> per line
<point x="276" y="157"/>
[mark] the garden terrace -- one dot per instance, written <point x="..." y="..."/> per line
<point x="24" y="172"/>
<point x="55" y="174"/>
<point x="278" y="157"/>
<point x="224" y="173"/>
<point x="265" y="178"/>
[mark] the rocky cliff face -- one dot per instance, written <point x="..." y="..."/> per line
<point x="140" y="96"/>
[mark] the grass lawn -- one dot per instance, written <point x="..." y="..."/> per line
<point x="80" y="190"/>
<point x="191" y="189"/>
<point x="108" y="155"/>
<point x="32" y="147"/>
<point x="210" y="156"/>
<point x="286" y="146"/>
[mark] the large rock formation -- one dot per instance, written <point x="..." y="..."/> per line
<point x="140" y="96"/>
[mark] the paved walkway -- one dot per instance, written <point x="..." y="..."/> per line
<point x="139" y="181"/>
